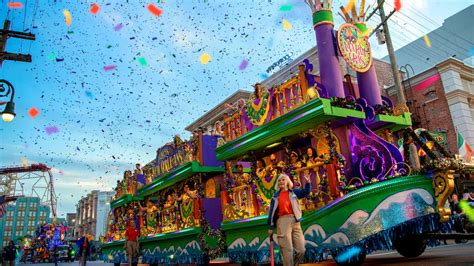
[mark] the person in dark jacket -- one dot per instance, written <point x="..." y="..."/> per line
<point x="285" y="215"/>
<point x="84" y="250"/>
<point x="9" y="254"/>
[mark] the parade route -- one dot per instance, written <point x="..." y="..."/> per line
<point x="451" y="254"/>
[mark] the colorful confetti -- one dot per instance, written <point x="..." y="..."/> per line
<point x="109" y="68"/>
<point x="118" y="27"/>
<point x="95" y="9"/>
<point x="52" y="56"/>
<point x="350" y="5"/>
<point x="67" y="17"/>
<point x="286" y="24"/>
<point x="51" y="130"/>
<point x="142" y="61"/>
<point x="467" y="209"/>
<point x="205" y="58"/>
<point x="90" y="95"/>
<point x="348" y="254"/>
<point x="427" y="41"/>
<point x="15" y="5"/>
<point x="286" y="8"/>
<point x="33" y="112"/>
<point x="398" y="5"/>
<point x="154" y="10"/>
<point x="243" y="65"/>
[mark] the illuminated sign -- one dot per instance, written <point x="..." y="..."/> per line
<point x="354" y="47"/>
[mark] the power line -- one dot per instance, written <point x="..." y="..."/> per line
<point x="439" y="26"/>
<point x="407" y="41"/>
<point x="431" y="32"/>
<point x="443" y="52"/>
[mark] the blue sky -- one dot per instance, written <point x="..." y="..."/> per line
<point x="110" y="120"/>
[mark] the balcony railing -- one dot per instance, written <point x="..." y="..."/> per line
<point x="276" y="102"/>
<point x="248" y="201"/>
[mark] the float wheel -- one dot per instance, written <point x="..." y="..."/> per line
<point x="410" y="247"/>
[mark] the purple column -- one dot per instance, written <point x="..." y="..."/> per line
<point x="331" y="77"/>
<point x="367" y="81"/>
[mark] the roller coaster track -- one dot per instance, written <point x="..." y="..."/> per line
<point x="13" y="180"/>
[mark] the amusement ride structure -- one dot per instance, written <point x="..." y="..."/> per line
<point x="35" y="180"/>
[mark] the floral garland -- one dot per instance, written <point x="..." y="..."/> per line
<point x="383" y="109"/>
<point x="348" y="102"/>
<point x="258" y="113"/>
<point x="218" y="234"/>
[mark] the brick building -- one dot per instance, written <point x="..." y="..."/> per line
<point x="441" y="99"/>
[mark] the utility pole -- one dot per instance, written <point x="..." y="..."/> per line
<point x="391" y="54"/>
<point x="5" y="33"/>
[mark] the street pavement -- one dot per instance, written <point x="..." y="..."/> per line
<point x="445" y="255"/>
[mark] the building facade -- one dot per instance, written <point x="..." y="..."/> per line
<point x="21" y="219"/>
<point x="103" y="208"/>
<point x="441" y="99"/>
<point x="91" y="213"/>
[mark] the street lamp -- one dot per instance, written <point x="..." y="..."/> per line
<point x="9" y="113"/>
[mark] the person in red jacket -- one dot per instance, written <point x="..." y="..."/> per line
<point x="131" y="242"/>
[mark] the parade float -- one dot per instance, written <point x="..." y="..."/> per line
<point x="174" y="201"/>
<point x="197" y="200"/>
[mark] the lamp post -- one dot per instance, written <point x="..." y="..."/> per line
<point x="9" y="113"/>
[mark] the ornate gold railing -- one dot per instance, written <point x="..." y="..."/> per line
<point x="242" y="204"/>
<point x="283" y="99"/>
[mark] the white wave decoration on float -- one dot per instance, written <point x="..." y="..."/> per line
<point x="393" y="210"/>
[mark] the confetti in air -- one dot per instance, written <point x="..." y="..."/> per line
<point x="243" y="64"/>
<point x="427" y="41"/>
<point x="264" y="76"/>
<point x="90" y="95"/>
<point x="95" y="9"/>
<point x="67" y="17"/>
<point x="348" y="254"/>
<point x="109" y="68"/>
<point x="286" y="8"/>
<point x="142" y="61"/>
<point x="15" y="5"/>
<point x="52" y="56"/>
<point x="398" y="5"/>
<point x="286" y="24"/>
<point x="51" y="130"/>
<point x="118" y="27"/>
<point x="350" y="5"/>
<point x="205" y="58"/>
<point x="154" y="10"/>
<point x="467" y="209"/>
<point x="24" y="162"/>
<point x="33" y="112"/>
